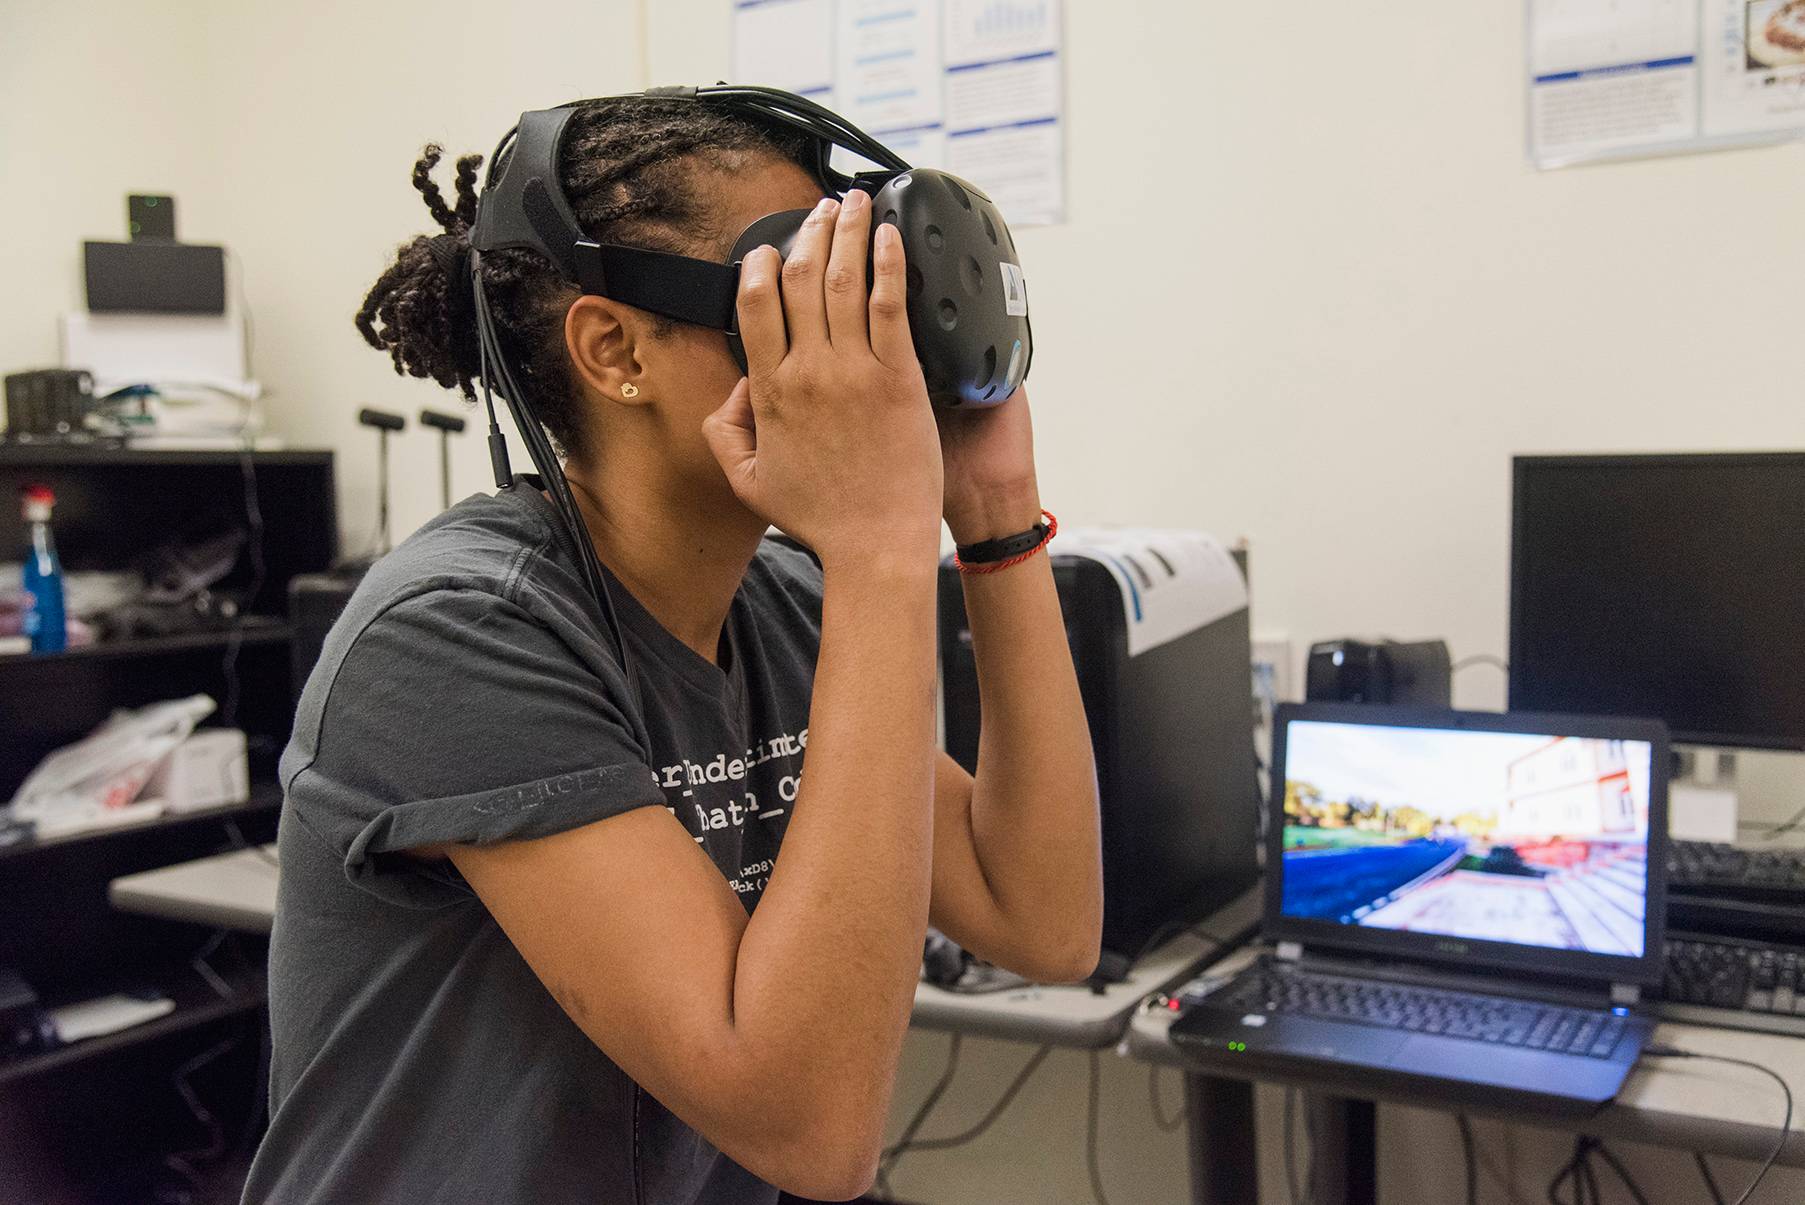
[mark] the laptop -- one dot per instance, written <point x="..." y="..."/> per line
<point x="1459" y="906"/>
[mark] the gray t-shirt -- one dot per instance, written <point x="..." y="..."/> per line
<point x="470" y="694"/>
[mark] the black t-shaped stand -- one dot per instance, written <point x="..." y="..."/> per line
<point x="447" y="425"/>
<point x="384" y="422"/>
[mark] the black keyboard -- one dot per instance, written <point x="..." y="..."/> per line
<point x="1736" y="872"/>
<point x="1761" y="985"/>
<point x="1270" y="988"/>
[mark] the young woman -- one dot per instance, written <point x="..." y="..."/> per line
<point x="536" y="940"/>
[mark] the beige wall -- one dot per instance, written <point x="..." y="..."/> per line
<point x="84" y="119"/>
<point x="1309" y="293"/>
<point x="287" y="132"/>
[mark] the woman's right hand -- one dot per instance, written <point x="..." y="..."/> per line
<point x="830" y="437"/>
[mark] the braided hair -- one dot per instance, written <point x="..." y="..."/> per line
<point x="628" y="167"/>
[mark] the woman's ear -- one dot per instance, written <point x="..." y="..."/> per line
<point x="604" y="339"/>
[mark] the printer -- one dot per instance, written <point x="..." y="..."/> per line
<point x="1164" y="664"/>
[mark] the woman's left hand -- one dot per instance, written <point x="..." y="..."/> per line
<point x="988" y="453"/>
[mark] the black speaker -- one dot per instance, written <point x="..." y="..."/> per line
<point x="1379" y="671"/>
<point x="155" y="276"/>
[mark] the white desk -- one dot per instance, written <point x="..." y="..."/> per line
<point x="1076" y="1016"/>
<point x="235" y="891"/>
<point x="1682" y="1104"/>
<point x="1685" y="1104"/>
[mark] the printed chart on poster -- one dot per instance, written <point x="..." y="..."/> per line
<point x="970" y="86"/>
<point x="1622" y="78"/>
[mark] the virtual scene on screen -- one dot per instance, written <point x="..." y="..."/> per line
<point x="1532" y="840"/>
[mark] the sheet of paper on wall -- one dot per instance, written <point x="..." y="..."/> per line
<point x="1004" y="104"/>
<point x="1753" y="67"/>
<point x="786" y="44"/>
<point x="1644" y="77"/>
<point x="970" y="86"/>
<point x="887" y="64"/>
<point x="1173" y="581"/>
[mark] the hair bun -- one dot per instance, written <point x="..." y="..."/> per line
<point x="452" y="251"/>
<point x="422" y="310"/>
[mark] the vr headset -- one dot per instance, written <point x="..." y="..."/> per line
<point x="967" y="298"/>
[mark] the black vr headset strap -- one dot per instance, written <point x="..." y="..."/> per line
<point x="676" y="286"/>
<point x="525" y="209"/>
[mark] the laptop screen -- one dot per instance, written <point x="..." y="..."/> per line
<point x="1529" y="839"/>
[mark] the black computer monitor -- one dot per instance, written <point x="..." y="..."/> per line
<point x="1663" y="586"/>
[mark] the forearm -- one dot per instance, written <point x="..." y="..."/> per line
<point x="826" y="968"/>
<point x="1034" y="824"/>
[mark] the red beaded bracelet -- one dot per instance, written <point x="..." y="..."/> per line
<point x="999" y="566"/>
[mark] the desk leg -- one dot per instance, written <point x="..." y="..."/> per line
<point x="1224" y="1152"/>
<point x="1344" y="1150"/>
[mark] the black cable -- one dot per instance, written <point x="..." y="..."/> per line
<point x="1674" y="1052"/>
<point x="1506" y="1183"/>
<point x="205" y="969"/>
<point x="1172" y="929"/>
<point x="184" y="1162"/>
<point x="1572" y="1170"/>
<point x="1704" y="1171"/>
<point x="1615" y="1164"/>
<point x="996" y="1110"/>
<point x="1092" y="1124"/>
<point x="240" y="843"/>
<point x="1591" y="1177"/>
<point x="1775" y="831"/>
<point x="894" y="1155"/>
<point x="1159" y="1114"/>
<point x="545" y="459"/>
<point x="1480" y="659"/>
<point x="253" y="517"/>
<point x="806" y="115"/>
<point x="1468" y="1149"/>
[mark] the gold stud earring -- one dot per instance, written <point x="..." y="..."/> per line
<point x="629" y="390"/>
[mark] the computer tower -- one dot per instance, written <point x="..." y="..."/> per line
<point x="1172" y="731"/>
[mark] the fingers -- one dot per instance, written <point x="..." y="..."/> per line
<point x="844" y="281"/>
<point x="804" y="306"/>
<point x="761" y="311"/>
<point x="732" y="436"/>
<point x="889" y="299"/>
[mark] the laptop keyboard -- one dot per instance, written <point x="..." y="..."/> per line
<point x="1501" y="1019"/>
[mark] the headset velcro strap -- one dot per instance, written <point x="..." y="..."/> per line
<point x="674" y="286"/>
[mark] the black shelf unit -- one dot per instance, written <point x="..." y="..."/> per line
<point x="91" y="1121"/>
<point x="197" y="1002"/>
<point x="253" y="629"/>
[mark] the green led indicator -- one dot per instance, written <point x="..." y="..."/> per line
<point x="1237" y="1045"/>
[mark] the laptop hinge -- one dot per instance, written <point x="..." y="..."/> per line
<point x="1625" y="993"/>
<point x="1290" y="951"/>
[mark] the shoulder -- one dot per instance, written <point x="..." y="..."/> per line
<point x="496" y="544"/>
<point x="497" y="559"/>
<point x="484" y="593"/>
